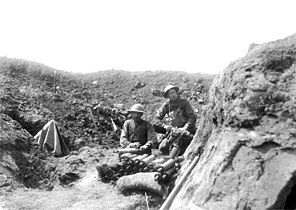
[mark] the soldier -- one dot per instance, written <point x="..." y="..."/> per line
<point x="181" y="120"/>
<point x="136" y="132"/>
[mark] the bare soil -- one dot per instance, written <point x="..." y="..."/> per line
<point x="88" y="192"/>
<point x="33" y="179"/>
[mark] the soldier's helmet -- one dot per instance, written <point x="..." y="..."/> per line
<point x="169" y="87"/>
<point x="137" y="108"/>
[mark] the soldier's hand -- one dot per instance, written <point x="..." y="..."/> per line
<point x="146" y="146"/>
<point x="183" y="131"/>
<point x="134" y="145"/>
<point x="143" y="148"/>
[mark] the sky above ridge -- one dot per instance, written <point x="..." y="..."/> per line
<point x="136" y="35"/>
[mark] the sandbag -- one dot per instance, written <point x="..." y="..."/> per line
<point x="143" y="181"/>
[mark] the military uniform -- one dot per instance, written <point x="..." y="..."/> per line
<point x="141" y="132"/>
<point x="180" y="115"/>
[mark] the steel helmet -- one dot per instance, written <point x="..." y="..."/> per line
<point x="137" y="108"/>
<point x="169" y="87"/>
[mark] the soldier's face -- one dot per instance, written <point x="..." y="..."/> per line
<point x="136" y="116"/>
<point x="172" y="94"/>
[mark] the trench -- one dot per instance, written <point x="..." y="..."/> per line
<point x="33" y="171"/>
<point x="290" y="200"/>
<point x="286" y="197"/>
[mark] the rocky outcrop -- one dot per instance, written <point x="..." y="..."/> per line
<point x="246" y="141"/>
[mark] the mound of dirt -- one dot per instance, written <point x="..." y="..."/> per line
<point x="245" y="144"/>
<point x="30" y="98"/>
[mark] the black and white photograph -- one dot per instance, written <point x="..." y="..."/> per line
<point x="147" y="105"/>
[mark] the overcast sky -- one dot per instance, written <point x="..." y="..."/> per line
<point x="90" y="35"/>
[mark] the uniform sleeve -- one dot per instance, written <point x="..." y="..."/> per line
<point x="124" y="139"/>
<point x="190" y="114"/>
<point x="163" y="110"/>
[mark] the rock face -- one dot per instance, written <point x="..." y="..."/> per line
<point x="14" y="144"/>
<point x="247" y="138"/>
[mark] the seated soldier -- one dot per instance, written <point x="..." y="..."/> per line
<point x="136" y="132"/>
<point x="182" y="122"/>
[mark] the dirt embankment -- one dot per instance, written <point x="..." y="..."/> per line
<point x="30" y="178"/>
<point x="246" y="140"/>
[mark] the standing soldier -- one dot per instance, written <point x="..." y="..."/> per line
<point x="181" y="119"/>
<point x="136" y="132"/>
